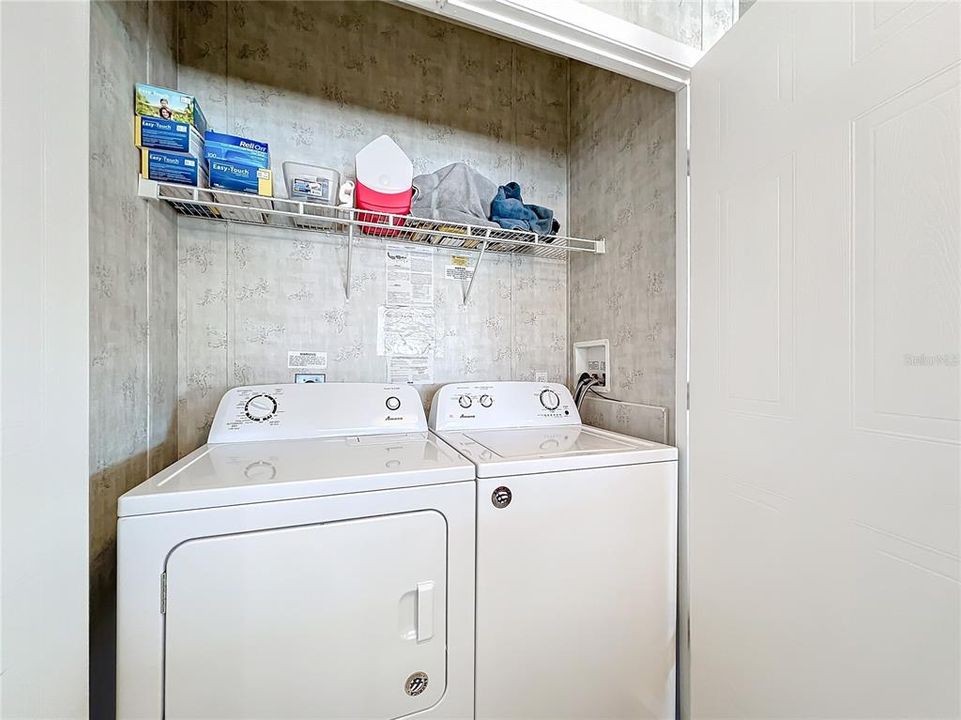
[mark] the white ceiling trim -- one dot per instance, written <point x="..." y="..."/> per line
<point x="574" y="30"/>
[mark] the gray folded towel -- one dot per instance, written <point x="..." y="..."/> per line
<point x="456" y="193"/>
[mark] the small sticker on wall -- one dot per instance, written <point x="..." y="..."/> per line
<point x="416" y="370"/>
<point x="459" y="268"/>
<point x="306" y="360"/>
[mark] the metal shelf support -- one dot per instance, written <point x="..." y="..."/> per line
<point x="473" y="277"/>
<point x="350" y="253"/>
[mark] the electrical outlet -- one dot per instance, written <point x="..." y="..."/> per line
<point x="310" y="377"/>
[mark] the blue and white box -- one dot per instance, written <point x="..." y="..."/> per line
<point x="239" y="177"/>
<point x="220" y="146"/>
<point x="172" y="167"/>
<point x="160" y="134"/>
<point x="168" y="104"/>
<point x="253" y="184"/>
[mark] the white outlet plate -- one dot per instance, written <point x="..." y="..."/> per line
<point x="310" y="377"/>
<point x="594" y="358"/>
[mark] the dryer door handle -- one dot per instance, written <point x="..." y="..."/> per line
<point x="425" y="610"/>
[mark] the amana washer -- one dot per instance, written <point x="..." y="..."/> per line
<point x="314" y="560"/>
<point x="576" y="557"/>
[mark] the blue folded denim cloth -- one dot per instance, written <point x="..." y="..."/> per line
<point x="509" y="211"/>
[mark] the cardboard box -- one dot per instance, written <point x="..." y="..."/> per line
<point x="167" y="104"/>
<point x="238" y="177"/>
<point x="160" y="134"/>
<point x="221" y="146"/>
<point x="172" y="167"/>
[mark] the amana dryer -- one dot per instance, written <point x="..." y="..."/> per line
<point x="576" y="557"/>
<point x="314" y="560"/>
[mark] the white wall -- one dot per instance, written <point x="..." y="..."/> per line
<point x="44" y="100"/>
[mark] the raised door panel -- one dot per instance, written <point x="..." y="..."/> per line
<point x="907" y="262"/>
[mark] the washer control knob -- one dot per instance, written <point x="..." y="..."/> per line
<point x="486" y="400"/>
<point x="550" y="400"/>
<point x="465" y="401"/>
<point x="393" y="403"/>
<point x="260" y="408"/>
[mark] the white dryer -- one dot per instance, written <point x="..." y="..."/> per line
<point x="576" y="557"/>
<point x="314" y="560"/>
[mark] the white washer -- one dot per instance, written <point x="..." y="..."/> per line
<point x="576" y="557"/>
<point x="314" y="560"/>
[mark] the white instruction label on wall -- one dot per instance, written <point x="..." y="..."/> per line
<point x="410" y="369"/>
<point x="410" y="275"/>
<point x="405" y="331"/>
<point x="306" y="360"/>
<point x="459" y="268"/>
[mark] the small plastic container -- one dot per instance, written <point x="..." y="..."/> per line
<point x="312" y="184"/>
<point x="384" y="184"/>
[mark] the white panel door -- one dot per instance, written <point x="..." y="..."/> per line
<point x="825" y="398"/>
<point x="324" y="621"/>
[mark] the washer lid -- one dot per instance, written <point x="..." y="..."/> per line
<point x="523" y="451"/>
<point x="219" y="475"/>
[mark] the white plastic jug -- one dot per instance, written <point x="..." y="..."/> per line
<point x="383" y="167"/>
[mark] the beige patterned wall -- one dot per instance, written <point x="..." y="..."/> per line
<point x="133" y="297"/>
<point x="622" y="157"/>
<point x="318" y="81"/>
<point x="698" y="23"/>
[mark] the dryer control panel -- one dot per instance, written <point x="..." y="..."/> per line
<point x="298" y="411"/>
<point x="480" y="406"/>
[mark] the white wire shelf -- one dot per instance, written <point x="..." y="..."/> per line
<point x="244" y="209"/>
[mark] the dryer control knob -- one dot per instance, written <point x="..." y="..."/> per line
<point x="550" y="400"/>
<point x="465" y="401"/>
<point x="260" y="408"/>
<point x="486" y="400"/>
<point x="393" y="403"/>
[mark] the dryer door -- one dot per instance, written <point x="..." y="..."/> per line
<point x="338" y="620"/>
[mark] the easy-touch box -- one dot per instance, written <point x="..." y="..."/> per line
<point x="172" y="167"/>
<point x="239" y="177"/>
<point x="167" y="104"/>
<point x="221" y="146"/>
<point x="160" y="134"/>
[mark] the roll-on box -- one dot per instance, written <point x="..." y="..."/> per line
<point x="221" y="146"/>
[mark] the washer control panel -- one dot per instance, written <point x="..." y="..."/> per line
<point x="478" y="406"/>
<point x="314" y="410"/>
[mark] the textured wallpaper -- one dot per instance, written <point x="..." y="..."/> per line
<point x="622" y="157"/>
<point x="317" y="81"/>
<point x="133" y="291"/>
<point x="133" y="256"/>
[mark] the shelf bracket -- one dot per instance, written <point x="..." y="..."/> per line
<point x="149" y="189"/>
<point x="350" y="252"/>
<point x="473" y="277"/>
